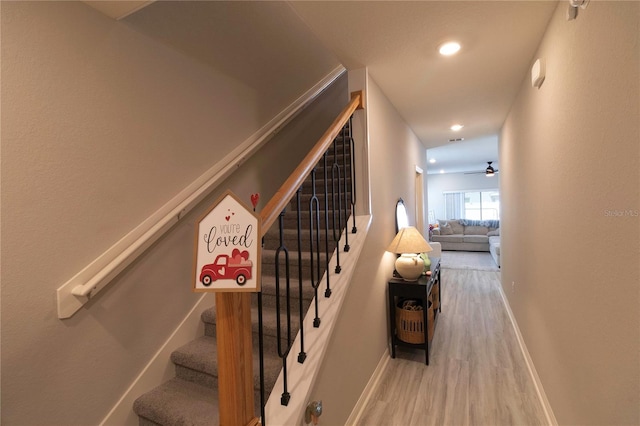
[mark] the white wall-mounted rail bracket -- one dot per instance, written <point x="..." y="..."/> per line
<point x="76" y="292"/>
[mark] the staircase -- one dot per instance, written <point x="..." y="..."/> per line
<point x="191" y="397"/>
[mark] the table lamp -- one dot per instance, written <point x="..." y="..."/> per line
<point x="408" y="243"/>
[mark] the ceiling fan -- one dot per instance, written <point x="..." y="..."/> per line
<point x="489" y="171"/>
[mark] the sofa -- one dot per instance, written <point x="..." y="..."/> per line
<point x="494" y="247"/>
<point x="469" y="235"/>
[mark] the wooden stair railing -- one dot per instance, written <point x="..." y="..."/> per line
<point x="233" y="310"/>
<point x="279" y="201"/>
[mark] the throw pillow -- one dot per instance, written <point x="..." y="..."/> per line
<point x="446" y="229"/>
<point x="494" y="233"/>
<point x="456" y="227"/>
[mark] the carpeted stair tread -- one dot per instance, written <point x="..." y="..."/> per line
<point x="290" y="239"/>
<point x="268" y="287"/>
<point x="306" y="256"/>
<point x="268" y="320"/>
<point x="200" y="356"/>
<point x="179" y="403"/>
<point x="320" y="169"/>
<point x="269" y="266"/>
<point x="191" y="398"/>
<point x="291" y="220"/>
<point x="291" y="243"/>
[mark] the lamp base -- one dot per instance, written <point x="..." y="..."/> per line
<point x="410" y="266"/>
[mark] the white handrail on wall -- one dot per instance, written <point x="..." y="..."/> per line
<point x="73" y="294"/>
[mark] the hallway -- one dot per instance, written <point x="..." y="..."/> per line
<point x="477" y="374"/>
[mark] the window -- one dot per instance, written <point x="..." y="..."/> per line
<point x="472" y="205"/>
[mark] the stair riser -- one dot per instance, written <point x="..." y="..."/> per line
<point x="143" y="421"/>
<point x="192" y="365"/>
<point x="290" y="233"/>
<point x="269" y="336"/>
<point x="268" y="289"/>
<point x="270" y="331"/>
<point x="269" y="294"/>
<point x="342" y="162"/>
<point x="337" y="197"/>
<point x="306" y="268"/>
<point x="211" y="381"/>
<point x="336" y="168"/>
<point x="339" y="143"/>
<point x="291" y="244"/>
<point x="195" y="376"/>
<point x="291" y="221"/>
<point x="319" y="211"/>
<point x="305" y="199"/>
<point x="307" y="186"/>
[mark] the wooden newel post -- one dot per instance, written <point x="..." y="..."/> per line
<point x="235" y="377"/>
<point x="227" y="262"/>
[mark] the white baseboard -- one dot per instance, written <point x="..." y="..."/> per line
<point x="371" y="386"/>
<point x="160" y="368"/>
<point x="542" y="396"/>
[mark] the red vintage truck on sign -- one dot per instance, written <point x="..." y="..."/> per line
<point x="236" y="267"/>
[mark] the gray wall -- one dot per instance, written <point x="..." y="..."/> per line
<point x="569" y="165"/>
<point x="360" y="335"/>
<point x="101" y="126"/>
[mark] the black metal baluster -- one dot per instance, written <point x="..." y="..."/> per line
<point x="343" y="181"/>
<point x="353" y="175"/>
<point x="327" y="292"/>
<point x="284" y="399"/>
<point x="347" y="203"/>
<point x="314" y="207"/>
<point x="337" y="222"/>
<point x="302" y="355"/>
<point x="261" y="352"/>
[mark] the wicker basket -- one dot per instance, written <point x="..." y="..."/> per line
<point x="410" y="324"/>
<point x="435" y="295"/>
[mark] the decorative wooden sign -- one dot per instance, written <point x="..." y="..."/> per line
<point x="227" y="248"/>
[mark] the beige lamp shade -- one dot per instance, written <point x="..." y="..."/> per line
<point x="409" y="240"/>
<point x="407" y="243"/>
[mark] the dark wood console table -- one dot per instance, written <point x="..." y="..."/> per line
<point x="420" y="290"/>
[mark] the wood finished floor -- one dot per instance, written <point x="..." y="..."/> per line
<point x="477" y="374"/>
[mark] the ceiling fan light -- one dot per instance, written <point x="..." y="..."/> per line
<point x="490" y="171"/>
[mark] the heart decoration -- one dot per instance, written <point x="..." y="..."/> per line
<point x="227" y="217"/>
<point x="254" y="199"/>
<point x="236" y="254"/>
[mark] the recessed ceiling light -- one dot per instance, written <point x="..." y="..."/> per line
<point x="449" y="48"/>
<point x="456" y="127"/>
<point x="432" y="161"/>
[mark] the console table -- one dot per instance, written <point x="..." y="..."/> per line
<point x="420" y="290"/>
